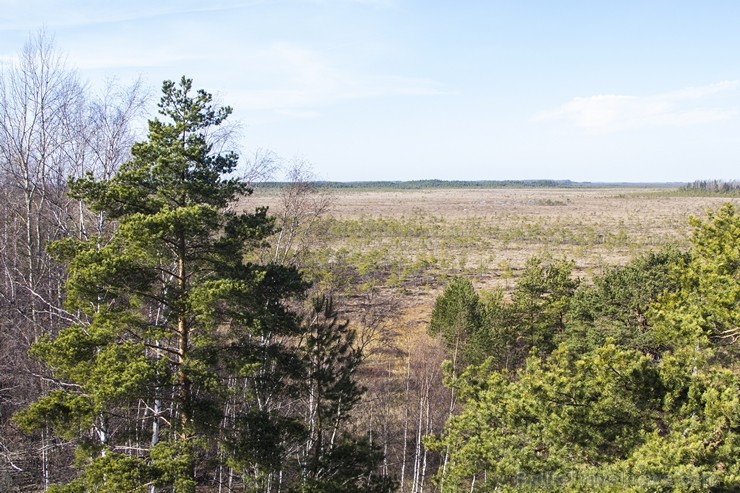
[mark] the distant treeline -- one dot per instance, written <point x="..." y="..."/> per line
<point x="731" y="187"/>
<point x="483" y="184"/>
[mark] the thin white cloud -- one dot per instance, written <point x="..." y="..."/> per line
<point x="369" y="3"/>
<point x="31" y="14"/>
<point x="297" y="113"/>
<point x="611" y="112"/>
<point x="295" y="78"/>
<point x="301" y="81"/>
<point x="34" y="13"/>
<point x="284" y="78"/>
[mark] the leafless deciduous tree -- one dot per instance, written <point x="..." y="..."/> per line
<point x="302" y="204"/>
<point x="50" y="128"/>
<point x="260" y="166"/>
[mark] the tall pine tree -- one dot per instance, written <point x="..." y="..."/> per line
<point x="179" y="347"/>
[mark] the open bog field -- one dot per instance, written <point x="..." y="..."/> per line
<point x="411" y="241"/>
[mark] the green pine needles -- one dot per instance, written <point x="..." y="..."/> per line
<point x="635" y="388"/>
<point x="184" y="363"/>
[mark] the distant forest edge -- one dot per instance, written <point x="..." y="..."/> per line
<point x="722" y="187"/>
<point x="731" y="187"/>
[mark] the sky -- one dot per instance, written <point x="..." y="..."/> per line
<point x="601" y="91"/>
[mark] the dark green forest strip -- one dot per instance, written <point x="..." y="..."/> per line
<point x="461" y="184"/>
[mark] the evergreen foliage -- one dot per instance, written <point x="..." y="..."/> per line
<point x="475" y="327"/>
<point x="714" y="187"/>
<point x="456" y="318"/>
<point x="619" y="304"/>
<point x="704" y="307"/>
<point x="638" y="391"/>
<point x="185" y="360"/>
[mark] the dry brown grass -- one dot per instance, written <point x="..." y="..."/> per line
<point x="487" y="234"/>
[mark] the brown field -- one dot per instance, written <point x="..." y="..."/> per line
<point x="415" y="239"/>
<point x="387" y="254"/>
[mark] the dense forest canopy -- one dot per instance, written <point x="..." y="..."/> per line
<point x="629" y="384"/>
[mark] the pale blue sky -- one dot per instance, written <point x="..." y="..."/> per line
<point x="631" y="90"/>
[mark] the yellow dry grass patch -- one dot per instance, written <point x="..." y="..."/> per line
<point x="488" y="234"/>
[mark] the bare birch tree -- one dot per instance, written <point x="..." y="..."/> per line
<point x="50" y="129"/>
